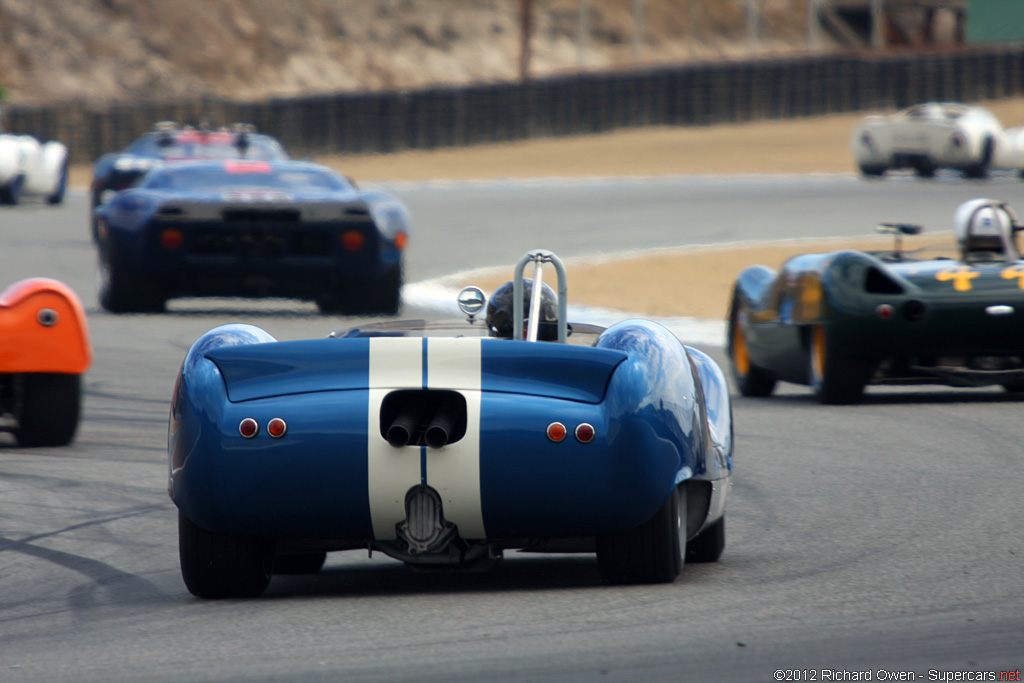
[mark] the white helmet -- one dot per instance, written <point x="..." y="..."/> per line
<point x="986" y="229"/>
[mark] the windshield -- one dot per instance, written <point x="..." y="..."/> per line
<point x="196" y="145"/>
<point x="242" y="174"/>
<point x="580" y="334"/>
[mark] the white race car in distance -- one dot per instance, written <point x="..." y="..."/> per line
<point x="29" y="168"/>
<point x="930" y="136"/>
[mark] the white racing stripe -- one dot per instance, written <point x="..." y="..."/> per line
<point x="454" y="471"/>
<point x="395" y="363"/>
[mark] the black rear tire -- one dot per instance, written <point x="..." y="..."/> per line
<point x="979" y="171"/>
<point x="383" y="296"/>
<point x="50" y="408"/>
<point x="835" y="378"/>
<point x="708" y="545"/>
<point x="751" y="379"/>
<point x="386" y="296"/>
<point x="870" y="171"/>
<point x="10" y="194"/>
<point x="121" y="291"/>
<point x="62" y="185"/>
<point x="653" y="552"/>
<point x="221" y="565"/>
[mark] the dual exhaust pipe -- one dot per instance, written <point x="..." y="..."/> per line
<point x="408" y="428"/>
<point x="434" y="418"/>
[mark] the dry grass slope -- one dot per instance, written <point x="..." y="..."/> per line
<point x="55" y="50"/>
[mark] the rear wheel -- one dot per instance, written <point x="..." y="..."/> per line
<point x="121" y="291"/>
<point x="386" y="295"/>
<point x="49" y="409"/>
<point x="62" y="184"/>
<point x="221" y="565"/>
<point x="751" y="379"/>
<point x="979" y="170"/>
<point x="835" y="378"/>
<point x="383" y="296"/>
<point x="871" y="171"/>
<point x="653" y="552"/>
<point x="10" y="193"/>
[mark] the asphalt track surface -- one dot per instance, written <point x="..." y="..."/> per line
<point x="885" y="537"/>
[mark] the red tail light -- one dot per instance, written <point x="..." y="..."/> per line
<point x="556" y="431"/>
<point x="171" y="238"/>
<point x="248" y="428"/>
<point x="277" y="428"/>
<point x="352" y="240"/>
<point x="585" y="432"/>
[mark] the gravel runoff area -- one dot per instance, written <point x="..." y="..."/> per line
<point x="801" y="146"/>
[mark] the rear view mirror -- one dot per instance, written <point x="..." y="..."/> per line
<point x="899" y="228"/>
<point x="471" y="301"/>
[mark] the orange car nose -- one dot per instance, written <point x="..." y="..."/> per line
<point x="42" y="329"/>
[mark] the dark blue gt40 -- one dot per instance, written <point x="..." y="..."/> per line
<point x="251" y="229"/>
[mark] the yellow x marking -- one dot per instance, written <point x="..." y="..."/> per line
<point x="1012" y="272"/>
<point x="961" y="277"/>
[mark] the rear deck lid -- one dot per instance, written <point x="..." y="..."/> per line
<point x="574" y="373"/>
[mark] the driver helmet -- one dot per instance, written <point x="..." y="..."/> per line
<point x="500" y="311"/>
<point x="984" y="229"/>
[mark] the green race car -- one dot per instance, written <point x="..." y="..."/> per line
<point x="842" y="320"/>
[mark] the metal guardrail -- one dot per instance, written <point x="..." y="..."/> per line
<point x="684" y="95"/>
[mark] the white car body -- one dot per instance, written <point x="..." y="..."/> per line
<point x="1010" y="150"/>
<point x="931" y="136"/>
<point x="29" y="168"/>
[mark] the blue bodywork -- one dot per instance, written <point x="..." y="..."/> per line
<point x="660" y="412"/>
<point x="255" y="229"/>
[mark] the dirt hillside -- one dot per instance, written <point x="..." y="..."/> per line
<point x="95" y="50"/>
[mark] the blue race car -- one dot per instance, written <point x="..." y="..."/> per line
<point x="168" y="141"/>
<point x="252" y="229"/>
<point x="444" y="445"/>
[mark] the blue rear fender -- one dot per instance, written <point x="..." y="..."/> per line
<point x="197" y="407"/>
<point x="718" y="407"/>
<point x="310" y="484"/>
<point x="533" y="487"/>
<point x="128" y="218"/>
<point x="753" y="285"/>
<point x="656" y="436"/>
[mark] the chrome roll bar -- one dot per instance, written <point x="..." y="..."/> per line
<point x="538" y="257"/>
